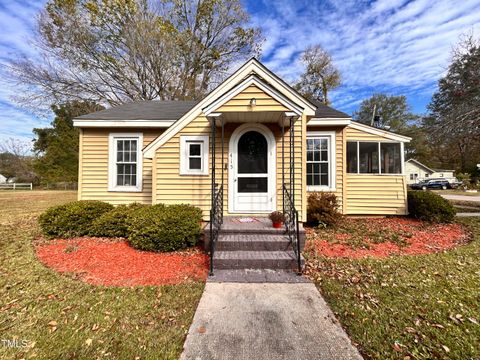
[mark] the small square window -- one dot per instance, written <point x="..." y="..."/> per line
<point x="194" y="155"/>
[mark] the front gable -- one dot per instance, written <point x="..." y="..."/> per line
<point x="233" y="89"/>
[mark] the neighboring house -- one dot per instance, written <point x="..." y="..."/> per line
<point x="416" y="171"/>
<point x="3" y="179"/>
<point x="277" y="146"/>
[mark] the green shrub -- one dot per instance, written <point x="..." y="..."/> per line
<point x="164" y="228"/>
<point x="428" y="206"/>
<point x="115" y="222"/>
<point x="72" y="219"/>
<point x="322" y="209"/>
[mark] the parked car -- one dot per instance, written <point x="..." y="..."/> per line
<point x="432" y="184"/>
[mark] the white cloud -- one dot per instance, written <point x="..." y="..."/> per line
<point x="394" y="46"/>
<point x="390" y="45"/>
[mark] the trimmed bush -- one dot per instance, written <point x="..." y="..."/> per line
<point x="428" y="206"/>
<point x="72" y="219"/>
<point x="164" y="228"/>
<point x="115" y="222"/>
<point x="322" y="209"/>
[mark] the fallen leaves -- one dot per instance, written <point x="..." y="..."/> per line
<point x="359" y="238"/>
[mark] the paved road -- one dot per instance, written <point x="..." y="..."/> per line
<point x="461" y="197"/>
<point x="265" y="321"/>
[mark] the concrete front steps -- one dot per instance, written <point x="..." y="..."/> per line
<point x="254" y="245"/>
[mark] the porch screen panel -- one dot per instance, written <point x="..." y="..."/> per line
<point x="391" y="160"/>
<point x="126" y="163"/>
<point x="352" y="157"/>
<point x="318" y="161"/>
<point x="368" y="155"/>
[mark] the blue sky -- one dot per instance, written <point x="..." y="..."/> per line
<point x="395" y="46"/>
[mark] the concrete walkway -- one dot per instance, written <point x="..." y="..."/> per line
<point x="461" y="197"/>
<point x="468" y="214"/>
<point x="265" y="321"/>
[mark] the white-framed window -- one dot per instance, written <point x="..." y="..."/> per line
<point x="194" y="155"/>
<point x="321" y="161"/>
<point x="125" y="162"/>
<point x="374" y="157"/>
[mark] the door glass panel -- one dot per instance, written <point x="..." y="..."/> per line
<point x="252" y="154"/>
<point x="252" y="185"/>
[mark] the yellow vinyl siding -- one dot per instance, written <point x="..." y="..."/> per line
<point x="339" y="160"/>
<point x="241" y="102"/>
<point x="374" y="194"/>
<point x="93" y="167"/>
<point x="171" y="187"/>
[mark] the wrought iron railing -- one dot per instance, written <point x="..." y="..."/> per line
<point x="292" y="227"/>
<point x="216" y="221"/>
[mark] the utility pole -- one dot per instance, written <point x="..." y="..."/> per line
<point x="373" y="116"/>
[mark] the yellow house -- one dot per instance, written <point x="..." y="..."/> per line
<point x="251" y="146"/>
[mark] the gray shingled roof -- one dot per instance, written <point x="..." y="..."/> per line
<point x="143" y="110"/>
<point x="174" y="110"/>
<point x="324" y="111"/>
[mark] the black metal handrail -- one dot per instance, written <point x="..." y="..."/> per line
<point x="216" y="221"/>
<point x="292" y="227"/>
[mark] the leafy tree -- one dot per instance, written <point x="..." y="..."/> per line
<point x="454" y="111"/>
<point x="320" y="75"/>
<point x="115" y="51"/>
<point x="419" y="147"/>
<point x="57" y="146"/>
<point x="393" y="111"/>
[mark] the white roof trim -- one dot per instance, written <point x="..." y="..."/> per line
<point x="328" y="121"/>
<point x="380" y="132"/>
<point x="122" y="123"/>
<point x="252" y="80"/>
<point x="251" y="66"/>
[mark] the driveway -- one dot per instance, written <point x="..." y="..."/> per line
<point x="461" y="197"/>
<point x="265" y="321"/>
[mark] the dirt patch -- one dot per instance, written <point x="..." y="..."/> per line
<point x="359" y="238"/>
<point x="100" y="261"/>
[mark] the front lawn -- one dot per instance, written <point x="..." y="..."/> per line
<point x="407" y="307"/>
<point x="466" y="206"/>
<point x="56" y="316"/>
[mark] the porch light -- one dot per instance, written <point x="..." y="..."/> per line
<point x="253" y="102"/>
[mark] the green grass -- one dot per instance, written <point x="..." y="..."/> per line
<point x="466" y="206"/>
<point x="62" y="318"/>
<point x="424" y="306"/>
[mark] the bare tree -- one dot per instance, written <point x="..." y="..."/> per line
<point x="111" y="52"/>
<point x="320" y="75"/>
<point x="15" y="161"/>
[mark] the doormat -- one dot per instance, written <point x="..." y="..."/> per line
<point x="246" y="220"/>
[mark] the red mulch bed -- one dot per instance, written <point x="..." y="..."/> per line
<point x="418" y="238"/>
<point x="100" y="261"/>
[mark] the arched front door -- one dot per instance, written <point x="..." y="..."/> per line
<point x="252" y="169"/>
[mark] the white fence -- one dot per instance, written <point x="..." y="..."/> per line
<point x="16" y="186"/>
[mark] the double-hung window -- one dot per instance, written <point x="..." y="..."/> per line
<point x="125" y="162"/>
<point x="194" y="155"/>
<point x="369" y="157"/>
<point x="320" y="161"/>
